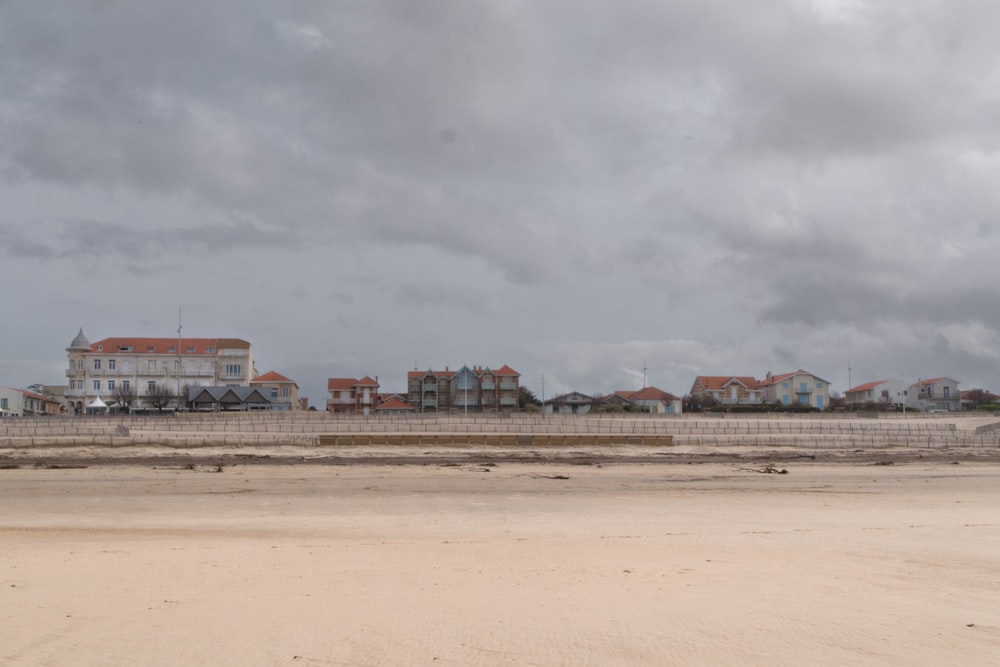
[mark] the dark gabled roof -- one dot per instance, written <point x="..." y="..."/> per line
<point x="226" y="395"/>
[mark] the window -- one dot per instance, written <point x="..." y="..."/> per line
<point x="111" y="385"/>
<point x="210" y="349"/>
<point x="284" y="392"/>
<point x="274" y="392"/>
<point x="3" y="403"/>
<point x="191" y="349"/>
<point x="100" y="348"/>
<point x="819" y="385"/>
<point x="97" y="364"/>
<point x="126" y="384"/>
<point x="151" y="386"/>
<point x="784" y="385"/>
<point x="232" y="369"/>
<point x="947" y="392"/>
<point x="112" y="365"/>
<point x="150" y="348"/>
<point x="97" y="385"/>
<point x="79" y="364"/>
<point x="125" y="348"/>
<point x="171" y="349"/>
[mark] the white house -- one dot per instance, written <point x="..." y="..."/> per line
<point x="888" y="392"/>
<point x="935" y="394"/>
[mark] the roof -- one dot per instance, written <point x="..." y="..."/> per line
<point x="341" y="383"/>
<point x="478" y="371"/>
<point x="80" y="342"/>
<point x="271" y="376"/>
<point x="367" y="382"/>
<point x="652" y="394"/>
<point x="394" y="403"/>
<point x="420" y="374"/>
<point x="774" y="379"/>
<point x="924" y="383"/>
<point x="718" y="382"/>
<point x="506" y="370"/>
<point x="217" y="394"/>
<point x="865" y="387"/>
<point x="167" y="345"/>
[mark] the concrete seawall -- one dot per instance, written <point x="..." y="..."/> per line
<point x="322" y="430"/>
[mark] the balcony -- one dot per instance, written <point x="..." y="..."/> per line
<point x="430" y="386"/>
<point x="508" y="386"/>
<point x="429" y="403"/>
<point x="489" y="386"/>
<point x="506" y="400"/>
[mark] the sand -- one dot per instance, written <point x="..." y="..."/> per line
<point x="702" y="564"/>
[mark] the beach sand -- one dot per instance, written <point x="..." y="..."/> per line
<point x="703" y="564"/>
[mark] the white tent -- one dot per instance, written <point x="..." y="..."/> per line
<point x="97" y="407"/>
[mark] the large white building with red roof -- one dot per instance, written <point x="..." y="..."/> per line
<point x="143" y="364"/>
<point x="475" y="389"/>
<point x="887" y="392"/>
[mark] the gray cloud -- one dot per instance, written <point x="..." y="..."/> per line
<point x="609" y="172"/>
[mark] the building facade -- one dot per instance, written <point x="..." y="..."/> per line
<point x="474" y="389"/>
<point x="727" y="390"/>
<point x="886" y="392"/>
<point x="352" y="396"/>
<point x="282" y="392"/>
<point x="935" y="394"/>
<point x="146" y="366"/>
<point x="796" y="388"/>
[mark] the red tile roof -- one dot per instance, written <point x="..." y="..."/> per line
<point x="784" y="376"/>
<point x="341" y="383"/>
<point x="506" y="370"/>
<point x="718" y="382"/>
<point x="930" y="381"/>
<point x="652" y="394"/>
<point x="394" y="404"/>
<point x="367" y="382"/>
<point x="271" y="376"/>
<point x="161" y="345"/>
<point x="866" y="386"/>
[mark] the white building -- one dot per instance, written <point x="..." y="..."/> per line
<point x="935" y="394"/>
<point x="887" y="392"/>
<point x="144" y="364"/>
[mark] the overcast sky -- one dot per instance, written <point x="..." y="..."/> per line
<point x="575" y="188"/>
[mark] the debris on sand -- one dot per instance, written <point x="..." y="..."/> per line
<point x="767" y="470"/>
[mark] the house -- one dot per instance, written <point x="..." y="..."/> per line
<point x="573" y="403"/>
<point x="284" y="393"/>
<point x="656" y="401"/>
<point x="475" y="389"/>
<point x="22" y="403"/>
<point x="887" y="392"/>
<point x="352" y="396"/>
<point x="796" y="388"/>
<point x="145" y="366"/>
<point x="935" y="394"/>
<point x="727" y="390"/>
<point x="219" y="399"/>
<point x="393" y="404"/>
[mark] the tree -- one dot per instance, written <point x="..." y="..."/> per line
<point x="980" y="397"/>
<point x="159" y="396"/>
<point x="526" y="397"/>
<point x="124" y="396"/>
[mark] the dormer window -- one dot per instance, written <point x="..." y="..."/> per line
<point x="100" y="348"/>
<point x="125" y="348"/>
<point x="151" y="348"/>
<point x="171" y="349"/>
<point x="191" y="349"/>
<point x="210" y="349"/>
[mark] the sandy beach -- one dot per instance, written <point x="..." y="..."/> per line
<point x="468" y="564"/>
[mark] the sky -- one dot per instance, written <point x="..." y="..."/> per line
<point x="580" y="189"/>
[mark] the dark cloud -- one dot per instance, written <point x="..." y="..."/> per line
<point x="673" y="171"/>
